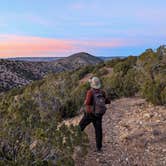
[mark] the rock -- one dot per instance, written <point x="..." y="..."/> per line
<point x="164" y="150"/>
<point x="97" y="160"/>
<point x="156" y="132"/>
<point x="158" y="120"/>
<point x="33" y="145"/>
<point x="140" y="122"/>
<point x="146" y="116"/>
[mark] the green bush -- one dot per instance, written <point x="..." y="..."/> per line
<point x="144" y="74"/>
<point x="154" y="92"/>
<point x="163" y="96"/>
<point x="101" y="72"/>
<point x="123" y="80"/>
<point x="22" y="125"/>
<point x="123" y="85"/>
<point x="33" y="113"/>
<point x="125" y="65"/>
<point x="83" y="71"/>
<point x="113" y="62"/>
<point x="151" y="76"/>
<point x="98" y="67"/>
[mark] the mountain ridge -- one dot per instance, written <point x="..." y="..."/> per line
<point x="19" y="73"/>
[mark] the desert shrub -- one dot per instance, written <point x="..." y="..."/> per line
<point x="144" y="74"/>
<point x="152" y="76"/>
<point x="154" y="92"/>
<point x="106" y="82"/>
<point x="73" y="94"/>
<point x="148" y="57"/>
<point x="123" y="85"/>
<point x="62" y="141"/>
<point x="77" y="97"/>
<point x="98" y="67"/>
<point x="125" y="65"/>
<point x="130" y="86"/>
<point x="33" y="113"/>
<point x="22" y="125"/>
<point x="123" y="80"/>
<point x="101" y="72"/>
<point x="113" y="62"/>
<point x="163" y="96"/>
<point x="83" y="71"/>
<point x="69" y="108"/>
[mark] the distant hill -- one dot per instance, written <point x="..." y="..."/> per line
<point x="15" y="73"/>
<point x="78" y="60"/>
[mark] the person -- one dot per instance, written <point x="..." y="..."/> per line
<point x="91" y="115"/>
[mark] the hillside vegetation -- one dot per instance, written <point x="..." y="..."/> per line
<point x="30" y="115"/>
<point x="144" y="75"/>
<point x="19" y="73"/>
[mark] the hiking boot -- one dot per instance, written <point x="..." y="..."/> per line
<point x="99" y="150"/>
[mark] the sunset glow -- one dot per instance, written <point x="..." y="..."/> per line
<point x="17" y="46"/>
<point x="102" y="28"/>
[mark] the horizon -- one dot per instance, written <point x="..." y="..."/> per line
<point x="62" y="56"/>
<point x="60" y="29"/>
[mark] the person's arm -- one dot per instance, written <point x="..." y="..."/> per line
<point x="88" y="101"/>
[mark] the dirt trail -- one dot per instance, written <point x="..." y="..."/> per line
<point x="134" y="134"/>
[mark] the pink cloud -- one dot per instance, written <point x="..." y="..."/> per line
<point x="16" y="46"/>
<point x="13" y="45"/>
<point x="103" y="43"/>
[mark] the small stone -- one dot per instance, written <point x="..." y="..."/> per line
<point x="97" y="159"/>
<point x="147" y="116"/>
<point x="33" y="145"/>
<point x="140" y="122"/>
<point x="156" y="132"/>
<point x="164" y="150"/>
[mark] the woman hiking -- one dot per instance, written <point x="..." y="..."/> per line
<point x="95" y="108"/>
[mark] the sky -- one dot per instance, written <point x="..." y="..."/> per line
<point x="35" y="28"/>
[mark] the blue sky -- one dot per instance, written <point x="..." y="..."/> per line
<point x="100" y="27"/>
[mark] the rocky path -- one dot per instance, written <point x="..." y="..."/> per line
<point x="134" y="134"/>
<point x="112" y="153"/>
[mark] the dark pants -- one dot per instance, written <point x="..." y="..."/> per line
<point x="97" y="123"/>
